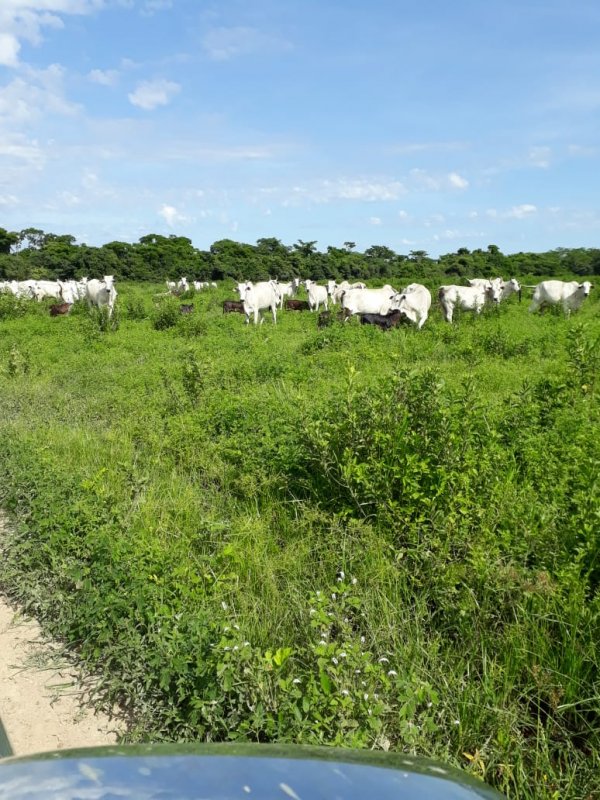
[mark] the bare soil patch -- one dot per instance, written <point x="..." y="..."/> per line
<point x="42" y="698"/>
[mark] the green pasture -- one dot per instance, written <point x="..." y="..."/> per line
<point x="340" y="536"/>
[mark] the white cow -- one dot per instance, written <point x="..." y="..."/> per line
<point x="316" y="295"/>
<point x="367" y="301"/>
<point x="257" y="297"/>
<point x="57" y="290"/>
<point x="102" y="293"/>
<point x="286" y="289"/>
<point x="549" y="293"/>
<point x="485" y="282"/>
<point x="22" y="288"/>
<point x="469" y="298"/>
<point x="511" y="287"/>
<point x="336" y="290"/>
<point x="414" y="302"/>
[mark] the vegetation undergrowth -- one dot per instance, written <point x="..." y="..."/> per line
<point x="344" y="536"/>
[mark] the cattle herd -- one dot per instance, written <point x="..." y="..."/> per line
<point x="384" y="306"/>
<point x="387" y="307"/>
<point x="96" y="292"/>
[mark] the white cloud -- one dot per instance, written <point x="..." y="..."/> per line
<point x="522" y="211"/>
<point x="374" y="220"/>
<point x="25" y="19"/>
<point x="171" y="215"/>
<point x="457" y="181"/>
<point x="40" y="93"/>
<point x="9" y="50"/>
<point x="221" y="44"/>
<point x="540" y="157"/>
<point x="151" y="94"/>
<point x="105" y="77"/>
<point x="8" y="200"/>
<point x="516" y="212"/>
<point x="150" y="7"/>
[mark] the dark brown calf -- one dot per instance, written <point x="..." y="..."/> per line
<point x="58" y="309"/>
<point x="296" y="305"/>
<point x="186" y="308"/>
<point x="230" y="306"/>
<point x="384" y="321"/>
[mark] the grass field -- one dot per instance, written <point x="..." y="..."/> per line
<point x="341" y="536"/>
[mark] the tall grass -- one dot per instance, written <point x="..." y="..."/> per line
<point x="342" y="536"/>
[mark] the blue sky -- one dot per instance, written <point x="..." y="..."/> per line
<point x="432" y="125"/>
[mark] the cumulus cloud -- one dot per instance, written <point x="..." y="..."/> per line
<point x="422" y="179"/>
<point x="9" y="50"/>
<point x="171" y="215"/>
<point x="221" y="44"/>
<point x="457" y="181"/>
<point x="540" y="157"/>
<point x="151" y="94"/>
<point x="150" y="7"/>
<point x="522" y="211"/>
<point x="374" y="220"/>
<point x="37" y="93"/>
<point x="516" y="212"/>
<point x="105" y="77"/>
<point x="25" y="20"/>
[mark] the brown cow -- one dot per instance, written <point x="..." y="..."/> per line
<point x="230" y="306"/>
<point x="297" y="305"/>
<point x="58" y="309"/>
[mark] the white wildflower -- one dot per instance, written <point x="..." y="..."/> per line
<point x="457" y="722"/>
<point x="237" y="627"/>
<point x="223" y="605"/>
<point x="312" y="612"/>
<point x="333" y="596"/>
<point x="392" y="673"/>
<point x="366" y="696"/>
<point x="246" y="644"/>
<point x="343" y="655"/>
<point x="296" y="680"/>
<point x="354" y="581"/>
<point x="384" y="660"/>
<point x="335" y="661"/>
<point x="345" y="692"/>
<point x="362" y="640"/>
<point x="322" y="641"/>
<point x="342" y="575"/>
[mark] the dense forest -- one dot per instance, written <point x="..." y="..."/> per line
<point x="32" y="253"/>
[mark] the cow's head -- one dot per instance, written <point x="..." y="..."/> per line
<point x="494" y="291"/>
<point x="586" y="287"/>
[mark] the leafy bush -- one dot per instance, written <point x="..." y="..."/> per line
<point x="166" y="314"/>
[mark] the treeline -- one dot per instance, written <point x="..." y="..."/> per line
<point x="32" y="253"/>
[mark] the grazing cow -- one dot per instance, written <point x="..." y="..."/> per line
<point x="483" y="283"/>
<point x="367" y="301"/>
<point x="549" y="293"/>
<point x="511" y="287"/>
<point x="232" y="306"/>
<point x="414" y="303"/>
<point x="286" y="289"/>
<point x="59" y="309"/>
<point x="316" y="295"/>
<point x="297" y="305"/>
<point x="102" y="293"/>
<point x="469" y="298"/>
<point x="258" y="297"/>
<point x="336" y="290"/>
<point x="383" y="321"/>
<point x="58" y="290"/>
<point x="186" y="308"/>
